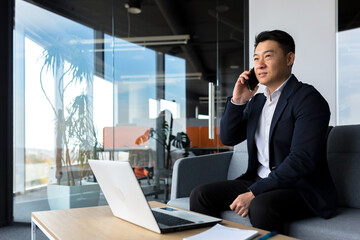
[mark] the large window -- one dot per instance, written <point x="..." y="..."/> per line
<point x="348" y="76"/>
<point x="348" y="62"/>
<point x="58" y="109"/>
<point x="95" y="81"/>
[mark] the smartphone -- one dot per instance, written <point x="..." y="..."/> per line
<point x="252" y="82"/>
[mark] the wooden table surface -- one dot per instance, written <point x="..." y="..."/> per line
<point x="99" y="223"/>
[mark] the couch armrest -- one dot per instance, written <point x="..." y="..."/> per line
<point x="191" y="172"/>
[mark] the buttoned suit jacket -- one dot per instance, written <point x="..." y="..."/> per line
<point x="297" y="144"/>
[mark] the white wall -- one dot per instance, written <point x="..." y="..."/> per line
<point x="312" y="24"/>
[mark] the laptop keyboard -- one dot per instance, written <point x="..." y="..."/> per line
<point x="169" y="220"/>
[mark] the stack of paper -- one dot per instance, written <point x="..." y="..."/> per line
<point x="221" y="232"/>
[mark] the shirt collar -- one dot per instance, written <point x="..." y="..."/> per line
<point x="277" y="91"/>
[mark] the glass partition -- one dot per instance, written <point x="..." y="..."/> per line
<point x="101" y="82"/>
<point x="61" y="106"/>
<point x="348" y="62"/>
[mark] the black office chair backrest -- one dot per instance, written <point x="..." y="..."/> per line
<point x="343" y="155"/>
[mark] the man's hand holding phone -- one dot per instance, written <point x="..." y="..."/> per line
<point x="245" y="82"/>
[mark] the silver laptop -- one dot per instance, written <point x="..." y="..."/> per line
<point x="127" y="201"/>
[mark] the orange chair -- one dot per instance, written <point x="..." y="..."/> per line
<point x="123" y="136"/>
<point x="193" y="134"/>
<point x="210" y="143"/>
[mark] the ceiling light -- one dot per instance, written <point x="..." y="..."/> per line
<point x="157" y="40"/>
<point x="222" y="8"/>
<point x="127" y="44"/>
<point x="134" y="6"/>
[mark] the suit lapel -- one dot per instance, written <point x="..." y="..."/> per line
<point x="257" y="107"/>
<point x="283" y="100"/>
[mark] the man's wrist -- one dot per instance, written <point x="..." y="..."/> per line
<point x="237" y="103"/>
<point x="251" y="194"/>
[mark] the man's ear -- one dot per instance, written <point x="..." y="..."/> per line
<point x="290" y="58"/>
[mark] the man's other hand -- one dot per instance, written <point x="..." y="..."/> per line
<point x="241" y="204"/>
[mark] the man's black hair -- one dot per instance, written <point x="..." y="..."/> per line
<point x="285" y="41"/>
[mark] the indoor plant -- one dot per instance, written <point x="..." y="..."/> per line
<point x="165" y="137"/>
<point x="76" y="139"/>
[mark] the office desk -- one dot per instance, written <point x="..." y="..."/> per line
<point x="99" y="223"/>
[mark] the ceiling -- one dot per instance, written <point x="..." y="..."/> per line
<point x="348" y="14"/>
<point x="164" y="17"/>
<point x="213" y="44"/>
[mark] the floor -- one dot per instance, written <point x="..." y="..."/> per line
<point x="19" y="231"/>
<point x="37" y="201"/>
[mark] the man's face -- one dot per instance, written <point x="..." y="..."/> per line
<point x="272" y="66"/>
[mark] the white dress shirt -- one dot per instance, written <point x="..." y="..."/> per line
<point x="263" y="129"/>
<point x="262" y="133"/>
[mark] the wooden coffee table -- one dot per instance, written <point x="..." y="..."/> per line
<point x="99" y="223"/>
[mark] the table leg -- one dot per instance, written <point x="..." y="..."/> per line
<point x="33" y="230"/>
<point x="35" y="226"/>
<point x="166" y="192"/>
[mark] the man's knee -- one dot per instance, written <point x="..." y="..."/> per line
<point x="194" y="196"/>
<point x="199" y="193"/>
<point x="262" y="215"/>
<point x="201" y="201"/>
<point x="258" y="207"/>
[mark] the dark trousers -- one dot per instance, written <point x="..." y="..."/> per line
<point x="268" y="211"/>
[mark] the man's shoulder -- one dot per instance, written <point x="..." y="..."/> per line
<point x="306" y="89"/>
<point x="301" y="88"/>
<point x="306" y="96"/>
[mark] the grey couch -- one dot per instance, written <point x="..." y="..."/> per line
<point x="343" y="155"/>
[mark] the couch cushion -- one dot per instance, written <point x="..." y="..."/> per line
<point x="344" y="226"/>
<point x="239" y="161"/>
<point x="233" y="217"/>
<point x="343" y="154"/>
<point x="183" y="203"/>
<point x="227" y="215"/>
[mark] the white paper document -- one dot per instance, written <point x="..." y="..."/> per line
<point x="221" y="232"/>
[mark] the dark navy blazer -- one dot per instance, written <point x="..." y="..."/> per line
<point x="297" y="144"/>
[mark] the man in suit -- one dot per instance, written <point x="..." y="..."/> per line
<point x="286" y="129"/>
